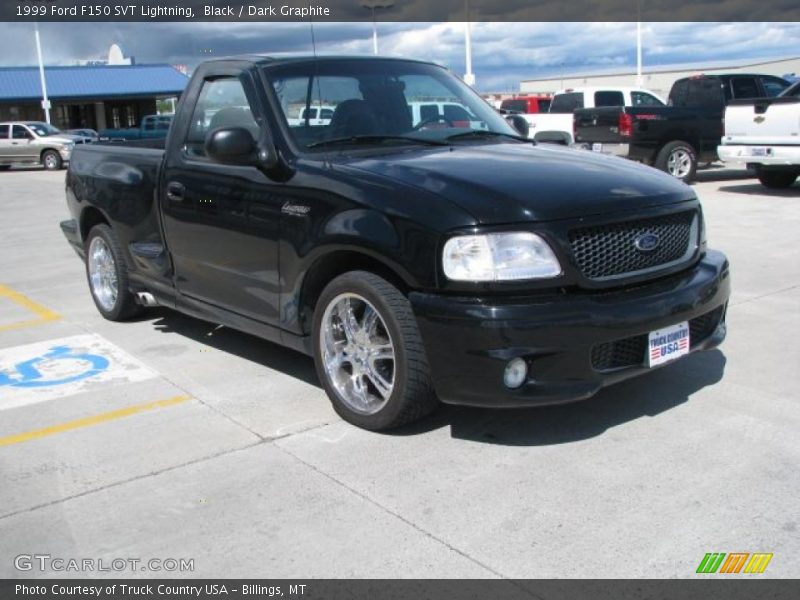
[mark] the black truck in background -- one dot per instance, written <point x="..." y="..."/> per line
<point x="416" y="258"/>
<point x="677" y="137"/>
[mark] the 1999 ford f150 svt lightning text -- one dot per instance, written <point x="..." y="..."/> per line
<point x="415" y="260"/>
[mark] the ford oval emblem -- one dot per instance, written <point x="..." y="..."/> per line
<point x="647" y="242"/>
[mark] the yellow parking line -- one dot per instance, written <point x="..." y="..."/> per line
<point x="45" y="315"/>
<point x="91" y="421"/>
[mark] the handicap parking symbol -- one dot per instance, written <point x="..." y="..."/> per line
<point x="28" y="376"/>
<point x="65" y="367"/>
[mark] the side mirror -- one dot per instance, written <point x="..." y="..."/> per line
<point x="519" y="123"/>
<point x="232" y="146"/>
<point x="236" y="146"/>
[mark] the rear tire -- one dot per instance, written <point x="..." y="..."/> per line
<point x="107" y="274"/>
<point x="777" y="179"/>
<point x="369" y="354"/>
<point x="51" y="160"/>
<point x="679" y="160"/>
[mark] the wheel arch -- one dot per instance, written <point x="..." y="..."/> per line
<point x="91" y="216"/>
<point x="325" y="267"/>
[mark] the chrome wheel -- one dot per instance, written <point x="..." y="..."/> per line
<point x="679" y="163"/>
<point x="357" y="353"/>
<point x="50" y="161"/>
<point x="102" y="273"/>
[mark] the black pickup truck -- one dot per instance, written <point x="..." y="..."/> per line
<point x="416" y="261"/>
<point x="673" y="138"/>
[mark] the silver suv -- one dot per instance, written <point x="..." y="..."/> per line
<point x="36" y="142"/>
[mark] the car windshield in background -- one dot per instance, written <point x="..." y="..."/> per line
<point x="376" y="101"/>
<point x="43" y="129"/>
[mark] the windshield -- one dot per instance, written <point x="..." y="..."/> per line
<point x="378" y="101"/>
<point x="43" y="129"/>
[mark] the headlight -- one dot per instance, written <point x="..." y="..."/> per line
<point x="499" y="257"/>
<point x="66" y="146"/>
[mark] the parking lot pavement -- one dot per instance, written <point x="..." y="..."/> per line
<point x="169" y="437"/>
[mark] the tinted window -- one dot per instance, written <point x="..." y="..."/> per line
<point x="222" y="103"/>
<point x="149" y="125"/>
<point x="519" y="106"/>
<point x="567" y="103"/>
<point x="20" y="133"/>
<point x="454" y="112"/>
<point x="326" y="113"/>
<point x="704" y="92"/>
<point x="773" y="86"/>
<point x="793" y="91"/>
<point x="544" y="105"/>
<point x="645" y="99"/>
<point x="744" y="87"/>
<point x="677" y="95"/>
<point x="3" y="131"/>
<point x="609" y="99"/>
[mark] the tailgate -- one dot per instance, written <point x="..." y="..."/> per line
<point x="598" y="125"/>
<point x="763" y="121"/>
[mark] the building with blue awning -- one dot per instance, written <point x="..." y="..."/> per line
<point x="95" y="97"/>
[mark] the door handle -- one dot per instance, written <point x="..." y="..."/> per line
<point x="175" y="191"/>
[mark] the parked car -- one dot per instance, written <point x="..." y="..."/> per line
<point x="556" y="126"/>
<point x="34" y="142"/>
<point x="677" y="137"/>
<point x="764" y="134"/>
<point x="314" y="115"/>
<point x="414" y="263"/>
<point x="443" y="114"/>
<point x="527" y="105"/>
<point x="152" y="127"/>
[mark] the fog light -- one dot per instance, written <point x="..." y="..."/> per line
<point x="516" y="373"/>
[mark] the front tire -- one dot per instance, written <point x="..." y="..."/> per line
<point x="51" y="160"/>
<point x="777" y="179"/>
<point x="679" y="159"/>
<point x="369" y="354"/>
<point x="107" y="274"/>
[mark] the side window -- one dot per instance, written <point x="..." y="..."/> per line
<point x="544" y="106"/>
<point x="20" y="133"/>
<point x="163" y="123"/>
<point x="704" y="92"/>
<point x="645" y="99"/>
<point x="222" y="103"/>
<point x="744" y="87"/>
<point x="3" y="132"/>
<point x="773" y="86"/>
<point x="149" y="124"/>
<point x="607" y="98"/>
<point x="428" y="112"/>
<point x="567" y="103"/>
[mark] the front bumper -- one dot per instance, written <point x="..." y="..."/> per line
<point x="740" y="154"/>
<point x="569" y="340"/>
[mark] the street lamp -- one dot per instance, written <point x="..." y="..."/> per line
<point x="373" y="5"/>
<point x="469" y="76"/>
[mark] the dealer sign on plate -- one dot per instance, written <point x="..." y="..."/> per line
<point x="668" y="344"/>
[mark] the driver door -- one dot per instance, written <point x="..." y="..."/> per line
<point x="222" y="221"/>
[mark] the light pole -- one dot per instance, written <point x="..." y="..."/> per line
<point x="373" y="5"/>
<point x="45" y="100"/>
<point x="639" y="78"/>
<point x="469" y="76"/>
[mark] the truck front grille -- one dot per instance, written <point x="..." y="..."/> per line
<point x="631" y="352"/>
<point x="610" y="251"/>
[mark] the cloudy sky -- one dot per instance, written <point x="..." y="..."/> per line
<point x="503" y="53"/>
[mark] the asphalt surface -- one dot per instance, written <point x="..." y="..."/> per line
<point x="170" y="438"/>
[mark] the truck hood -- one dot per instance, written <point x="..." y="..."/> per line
<point x="509" y="183"/>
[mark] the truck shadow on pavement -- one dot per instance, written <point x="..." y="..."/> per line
<point x="646" y="396"/>
<point x="756" y="189"/>
<point x="237" y="343"/>
<point x="717" y="173"/>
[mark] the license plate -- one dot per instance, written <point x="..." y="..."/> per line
<point x="597" y="147"/>
<point x="759" y="151"/>
<point x="667" y="344"/>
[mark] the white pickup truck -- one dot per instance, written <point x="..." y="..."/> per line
<point x="764" y="134"/>
<point x="556" y="125"/>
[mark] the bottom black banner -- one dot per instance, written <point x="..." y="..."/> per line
<point x="393" y="589"/>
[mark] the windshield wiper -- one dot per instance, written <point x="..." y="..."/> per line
<point x="486" y="133"/>
<point x="366" y="139"/>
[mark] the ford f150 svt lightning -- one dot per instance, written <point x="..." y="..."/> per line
<point x="416" y="259"/>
